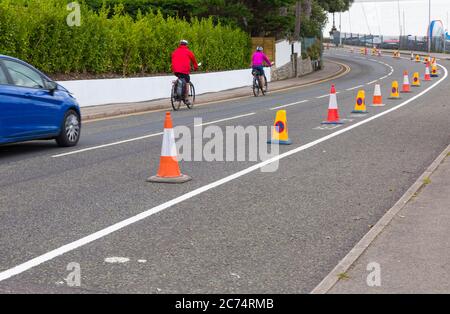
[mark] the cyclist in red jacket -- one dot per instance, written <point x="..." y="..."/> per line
<point x="182" y="58"/>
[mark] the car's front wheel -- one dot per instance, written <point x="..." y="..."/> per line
<point x="70" y="130"/>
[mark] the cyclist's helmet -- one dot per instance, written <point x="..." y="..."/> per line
<point x="259" y="48"/>
<point x="184" y="42"/>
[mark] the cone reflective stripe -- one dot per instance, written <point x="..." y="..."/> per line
<point x="169" y="170"/>
<point x="280" y="130"/>
<point x="377" y="97"/>
<point x="333" y="110"/>
<point x="406" y="87"/>
<point x="416" y="79"/>
<point x="360" y="105"/>
<point x="427" y="73"/>
<point x="394" y="91"/>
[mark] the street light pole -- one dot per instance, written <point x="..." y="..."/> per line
<point x="429" y="26"/>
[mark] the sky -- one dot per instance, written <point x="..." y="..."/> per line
<point x="382" y="17"/>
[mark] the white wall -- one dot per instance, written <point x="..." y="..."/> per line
<point x="128" y="90"/>
<point x="283" y="51"/>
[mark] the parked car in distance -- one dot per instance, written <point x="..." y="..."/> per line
<point x="33" y="107"/>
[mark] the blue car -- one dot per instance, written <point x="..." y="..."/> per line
<point x="33" y="107"/>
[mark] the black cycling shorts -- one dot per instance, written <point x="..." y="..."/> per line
<point x="186" y="77"/>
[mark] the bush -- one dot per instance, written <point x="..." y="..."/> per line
<point x="111" y="41"/>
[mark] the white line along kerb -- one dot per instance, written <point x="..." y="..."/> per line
<point x="124" y="223"/>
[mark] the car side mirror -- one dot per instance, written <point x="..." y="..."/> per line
<point x="52" y="87"/>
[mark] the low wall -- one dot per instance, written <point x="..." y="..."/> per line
<point x="129" y="90"/>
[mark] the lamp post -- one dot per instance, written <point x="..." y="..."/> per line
<point x="429" y="26"/>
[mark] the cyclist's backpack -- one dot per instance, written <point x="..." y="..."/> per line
<point x="180" y="88"/>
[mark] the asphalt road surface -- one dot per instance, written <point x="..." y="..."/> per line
<point x="253" y="232"/>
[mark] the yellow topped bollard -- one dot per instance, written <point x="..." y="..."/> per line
<point x="280" y="130"/>
<point x="416" y="80"/>
<point x="395" y="94"/>
<point x="360" y="105"/>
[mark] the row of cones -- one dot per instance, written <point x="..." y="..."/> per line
<point x="169" y="170"/>
<point x="360" y="105"/>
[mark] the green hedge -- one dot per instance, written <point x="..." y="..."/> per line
<point x="36" y="31"/>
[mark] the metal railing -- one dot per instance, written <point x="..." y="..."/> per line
<point x="412" y="43"/>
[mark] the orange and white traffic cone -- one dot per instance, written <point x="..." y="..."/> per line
<point x="416" y="80"/>
<point x="169" y="170"/>
<point x="406" y="87"/>
<point x="394" y="91"/>
<point x="377" y="97"/>
<point x="427" y="73"/>
<point x="333" y="111"/>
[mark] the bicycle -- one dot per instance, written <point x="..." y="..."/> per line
<point x="178" y="95"/>
<point x="257" y="83"/>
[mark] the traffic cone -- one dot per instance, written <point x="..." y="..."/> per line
<point x="377" y="98"/>
<point x="280" y="130"/>
<point x="379" y="52"/>
<point x="417" y="58"/>
<point x="360" y="105"/>
<point x="434" y="70"/>
<point x="169" y="170"/>
<point x="406" y="87"/>
<point x="426" y="59"/>
<point x="427" y="73"/>
<point x="394" y="91"/>
<point x="333" y="111"/>
<point x="416" y="80"/>
<point x="412" y="56"/>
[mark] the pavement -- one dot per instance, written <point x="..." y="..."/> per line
<point x="413" y="252"/>
<point x="330" y="70"/>
<point x="233" y="228"/>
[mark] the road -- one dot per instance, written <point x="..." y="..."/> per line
<point x="254" y="232"/>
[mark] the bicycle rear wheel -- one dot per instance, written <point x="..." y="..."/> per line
<point x="176" y="103"/>
<point x="256" y="87"/>
<point x="262" y="86"/>
<point x="190" y="104"/>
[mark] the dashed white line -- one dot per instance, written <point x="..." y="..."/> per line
<point x="6" y="274"/>
<point x="226" y="119"/>
<point x="288" y="105"/>
<point x="323" y="96"/>
<point x="107" y="145"/>
<point x="352" y="88"/>
<point x="140" y="138"/>
<point x="374" y="81"/>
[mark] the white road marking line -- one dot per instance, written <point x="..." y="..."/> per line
<point x="107" y="145"/>
<point x="124" y="223"/>
<point x="372" y="82"/>
<point x="226" y="119"/>
<point x="382" y="78"/>
<point x="138" y="138"/>
<point x="323" y="96"/>
<point x="352" y="88"/>
<point x="291" y="104"/>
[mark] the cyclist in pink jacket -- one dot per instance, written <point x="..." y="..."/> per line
<point x="258" y="60"/>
